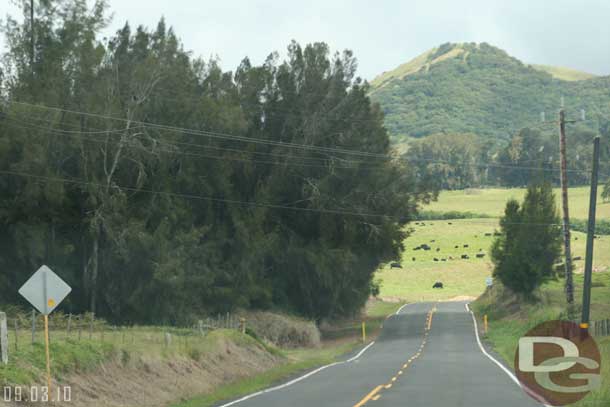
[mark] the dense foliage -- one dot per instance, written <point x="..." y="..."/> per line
<point x="530" y="241"/>
<point x="479" y="89"/>
<point x="259" y="204"/>
<point x="462" y="161"/>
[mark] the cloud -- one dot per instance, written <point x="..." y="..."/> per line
<point x="386" y="33"/>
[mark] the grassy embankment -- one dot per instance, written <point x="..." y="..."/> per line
<point x="509" y="320"/>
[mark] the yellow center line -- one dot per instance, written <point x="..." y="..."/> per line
<point x="368" y="397"/>
<point x="373" y="394"/>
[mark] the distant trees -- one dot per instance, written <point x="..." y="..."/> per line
<point x="530" y="241"/>
<point x="447" y="161"/>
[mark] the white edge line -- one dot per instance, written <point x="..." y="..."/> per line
<point x="404" y="306"/>
<point x="298" y="379"/>
<point x="500" y="365"/>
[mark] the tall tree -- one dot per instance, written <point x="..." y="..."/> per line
<point x="530" y="241"/>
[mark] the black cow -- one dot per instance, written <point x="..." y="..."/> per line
<point x="395" y="265"/>
<point x="438" y="284"/>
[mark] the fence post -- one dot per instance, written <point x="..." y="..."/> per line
<point x="3" y="338"/>
<point x="168" y="339"/>
<point x="69" y="324"/>
<point x="91" y="326"/>
<point x="79" y="325"/>
<point x="200" y="327"/>
<point x="242" y="325"/>
<point x="33" y="326"/>
<point x="16" y="334"/>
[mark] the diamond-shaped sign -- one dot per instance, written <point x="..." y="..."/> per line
<point x="45" y="290"/>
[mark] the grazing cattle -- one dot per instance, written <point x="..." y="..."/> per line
<point x="577" y="258"/>
<point x="480" y="255"/>
<point x="465" y="245"/>
<point x="443" y="259"/>
<point x="487" y="234"/>
<point x="497" y="234"/>
<point x="417" y="248"/>
<point x="438" y="249"/>
<point x="449" y="223"/>
<point x="395" y="265"/>
<point x="450" y="258"/>
<point x="438" y="284"/>
<point x="425" y="246"/>
<point x="435" y="259"/>
<point x="456" y="246"/>
<point x="413" y="258"/>
<point x="432" y="241"/>
<point x="465" y="256"/>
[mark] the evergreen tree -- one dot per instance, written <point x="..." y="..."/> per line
<point x="530" y="241"/>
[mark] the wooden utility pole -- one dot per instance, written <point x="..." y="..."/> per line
<point x="569" y="286"/>
<point x="586" y="296"/>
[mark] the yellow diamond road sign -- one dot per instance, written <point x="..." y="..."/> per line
<point x="45" y="290"/>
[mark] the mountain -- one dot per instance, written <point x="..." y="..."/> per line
<point x="480" y="89"/>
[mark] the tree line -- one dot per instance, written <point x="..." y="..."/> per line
<point x="161" y="187"/>
<point x="458" y="161"/>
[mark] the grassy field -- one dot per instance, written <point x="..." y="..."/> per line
<point x="492" y="201"/>
<point x="461" y="277"/>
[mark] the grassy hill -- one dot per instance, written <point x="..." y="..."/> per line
<point x="478" y="88"/>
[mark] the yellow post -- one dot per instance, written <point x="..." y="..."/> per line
<point x="46" y="343"/>
<point x="363" y="332"/>
<point x="485" y="323"/>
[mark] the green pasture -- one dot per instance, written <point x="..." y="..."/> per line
<point x="491" y="201"/>
<point x="460" y="277"/>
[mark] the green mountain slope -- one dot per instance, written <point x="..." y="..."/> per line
<point x="478" y="88"/>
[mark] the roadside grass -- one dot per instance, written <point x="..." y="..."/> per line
<point x="70" y="355"/>
<point x="508" y="321"/>
<point x="491" y="201"/>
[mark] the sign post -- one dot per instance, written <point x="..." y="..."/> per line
<point x="45" y="291"/>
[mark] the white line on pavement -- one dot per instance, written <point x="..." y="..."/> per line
<point x="500" y="365"/>
<point x="298" y="379"/>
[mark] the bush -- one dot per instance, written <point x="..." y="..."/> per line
<point x="282" y="330"/>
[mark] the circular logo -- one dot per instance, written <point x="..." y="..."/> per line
<point x="558" y="363"/>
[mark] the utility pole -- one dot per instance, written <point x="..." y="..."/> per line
<point x="586" y="295"/>
<point x="569" y="286"/>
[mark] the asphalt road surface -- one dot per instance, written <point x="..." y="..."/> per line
<point x="427" y="355"/>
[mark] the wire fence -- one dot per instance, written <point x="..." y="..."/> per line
<point x="23" y="333"/>
<point x="600" y="328"/>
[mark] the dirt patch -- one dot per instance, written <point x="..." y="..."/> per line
<point x="159" y="381"/>
<point x="460" y="298"/>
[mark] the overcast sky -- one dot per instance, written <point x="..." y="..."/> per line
<point x="382" y="33"/>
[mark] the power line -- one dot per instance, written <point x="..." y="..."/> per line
<point x="258" y="204"/>
<point x="291" y="163"/>
<point x="193" y="196"/>
<point x="214" y="134"/>
<point x="290" y="145"/>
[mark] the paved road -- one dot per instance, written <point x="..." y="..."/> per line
<point x="426" y="356"/>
